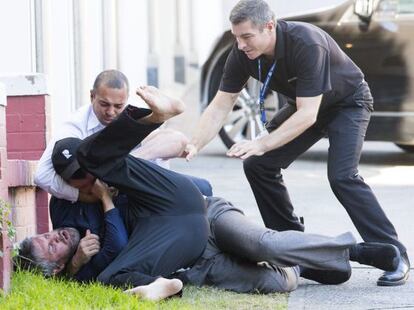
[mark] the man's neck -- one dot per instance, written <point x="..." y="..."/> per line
<point x="269" y="54"/>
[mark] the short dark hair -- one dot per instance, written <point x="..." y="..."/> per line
<point x="257" y="11"/>
<point x="111" y="79"/>
<point x="28" y="259"/>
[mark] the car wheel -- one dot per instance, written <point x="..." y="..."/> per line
<point x="406" y="147"/>
<point x="244" y="122"/>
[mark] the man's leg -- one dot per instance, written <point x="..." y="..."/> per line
<point x="323" y="259"/>
<point x="162" y="144"/>
<point x="158" y="246"/>
<point x="265" y="178"/>
<point x="346" y="135"/>
<point x="237" y="235"/>
<point x="232" y="273"/>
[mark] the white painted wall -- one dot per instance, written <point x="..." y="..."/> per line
<point x="133" y="42"/>
<point x="15" y="36"/>
<point x="210" y="24"/>
<point x="164" y="32"/>
<point x="121" y="43"/>
<point x="60" y="72"/>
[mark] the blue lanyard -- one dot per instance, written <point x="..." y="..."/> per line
<point x="264" y="88"/>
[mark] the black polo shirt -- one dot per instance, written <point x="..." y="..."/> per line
<point x="308" y="63"/>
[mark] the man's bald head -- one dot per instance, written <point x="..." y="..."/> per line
<point x="111" y="79"/>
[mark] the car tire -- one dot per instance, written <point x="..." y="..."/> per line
<point x="409" y="148"/>
<point x="244" y="121"/>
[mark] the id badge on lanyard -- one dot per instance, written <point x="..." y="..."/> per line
<point x="264" y="88"/>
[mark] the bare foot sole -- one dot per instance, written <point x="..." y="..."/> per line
<point x="162" y="105"/>
<point x="157" y="290"/>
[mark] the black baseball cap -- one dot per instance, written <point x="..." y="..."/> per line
<point x="64" y="157"/>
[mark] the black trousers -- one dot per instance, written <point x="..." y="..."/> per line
<point x="236" y="245"/>
<point x="346" y="133"/>
<point x="166" y="211"/>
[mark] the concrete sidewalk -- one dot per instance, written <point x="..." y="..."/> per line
<point x="360" y="292"/>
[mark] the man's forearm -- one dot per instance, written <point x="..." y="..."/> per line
<point x="213" y="119"/>
<point x="107" y="203"/>
<point x="289" y="130"/>
<point x="294" y="126"/>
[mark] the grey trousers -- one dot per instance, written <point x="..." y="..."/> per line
<point x="236" y="245"/>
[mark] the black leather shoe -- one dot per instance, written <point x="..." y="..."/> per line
<point x="379" y="255"/>
<point x="325" y="276"/>
<point x="397" y="277"/>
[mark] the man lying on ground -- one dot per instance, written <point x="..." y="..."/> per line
<point x="169" y="231"/>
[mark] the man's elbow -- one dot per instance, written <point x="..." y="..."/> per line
<point x="36" y="179"/>
<point x="118" y="247"/>
<point x="39" y="180"/>
<point x="309" y="117"/>
<point x="309" y="109"/>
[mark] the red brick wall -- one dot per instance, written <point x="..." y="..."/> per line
<point x="22" y="141"/>
<point x="26" y="127"/>
<point x="26" y="140"/>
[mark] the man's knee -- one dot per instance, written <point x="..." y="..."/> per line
<point x="282" y="280"/>
<point x="203" y="185"/>
<point x="175" y="136"/>
<point x="340" y="180"/>
<point x="252" y="165"/>
<point x="261" y="165"/>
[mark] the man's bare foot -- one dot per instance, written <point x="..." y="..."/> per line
<point x="157" y="290"/>
<point x="162" y="106"/>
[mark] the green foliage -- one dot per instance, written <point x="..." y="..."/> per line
<point x="32" y="291"/>
<point x="7" y="225"/>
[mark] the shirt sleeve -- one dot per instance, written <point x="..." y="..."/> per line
<point x="47" y="178"/>
<point x="115" y="240"/>
<point x="235" y="75"/>
<point x="313" y="71"/>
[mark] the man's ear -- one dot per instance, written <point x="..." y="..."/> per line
<point x="92" y="95"/>
<point x="270" y="25"/>
<point x="58" y="269"/>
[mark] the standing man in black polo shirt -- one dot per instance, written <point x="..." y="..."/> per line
<point x="332" y="98"/>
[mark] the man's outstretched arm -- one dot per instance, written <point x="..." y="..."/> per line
<point x="211" y="121"/>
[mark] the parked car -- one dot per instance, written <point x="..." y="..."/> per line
<point x="376" y="34"/>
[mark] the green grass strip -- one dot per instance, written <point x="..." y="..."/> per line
<point x="32" y="291"/>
